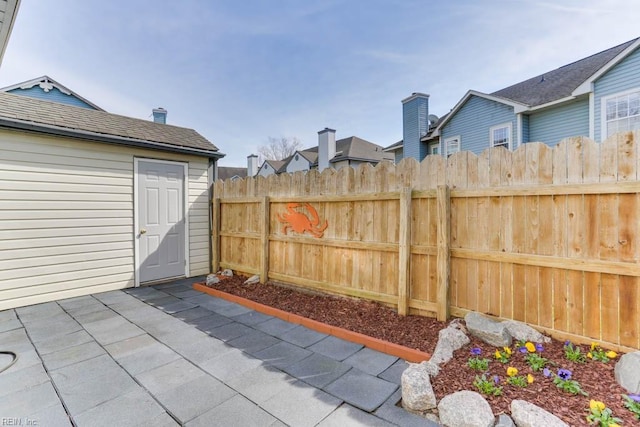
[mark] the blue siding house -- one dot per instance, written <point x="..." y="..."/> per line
<point x="47" y="89"/>
<point x="596" y="97"/>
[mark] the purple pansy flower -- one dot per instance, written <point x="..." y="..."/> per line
<point x="565" y="374"/>
<point x="496" y="379"/>
<point x="546" y="372"/>
<point x="523" y="350"/>
<point x="567" y="343"/>
<point x="476" y="351"/>
<point x="539" y="347"/>
<point x="635" y="397"/>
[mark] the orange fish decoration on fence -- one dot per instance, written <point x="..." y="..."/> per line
<point x="299" y="222"/>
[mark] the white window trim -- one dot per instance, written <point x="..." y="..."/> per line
<point x="507" y="125"/>
<point x="603" y="109"/>
<point x="446" y="145"/>
<point x="436" y="146"/>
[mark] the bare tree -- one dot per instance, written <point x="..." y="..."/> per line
<point x="279" y="148"/>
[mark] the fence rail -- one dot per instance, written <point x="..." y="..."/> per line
<point x="549" y="236"/>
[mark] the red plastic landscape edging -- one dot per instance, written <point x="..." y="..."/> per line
<point x="397" y="350"/>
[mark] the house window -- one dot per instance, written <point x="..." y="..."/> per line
<point x="452" y="145"/>
<point x="621" y="112"/>
<point x="500" y="136"/>
<point x="434" y="149"/>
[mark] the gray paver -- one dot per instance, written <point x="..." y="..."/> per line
<point x="187" y="293"/>
<point x="301" y="405"/>
<point x="45" y="329"/>
<point x="370" y="361"/>
<point x="202" y="350"/>
<point x="14" y="381"/>
<point x="394" y="372"/>
<point x="194" y="398"/>
<point x="38" y="311"/>
<point x="347" y="415"/>
<point x="230" y="331"/>
<point x="79" y="396"/>
<point x="230" y="365"/>
<point x="282" y="354"/>
<point x="252" y="318"/>
<point x="130" y="409"/>
<point x="16" y="340"/>
<point x="302" y="336"/>
<point x="28" y="401"/>
<point x="71" y="355"/>
<point x="7" y="315"/>
<point x="169" y="376"/>
<point x="182" y="338"/>
<point x="192" y="314"/>
<point x="129" y="346"/>
<point x="63" y="341"/>
<point x="261" y="383"/>
<point x="275" y="326"/>
<point x="87" y="370"/>
<point x="209" y="323"/>
<point x="394" y="414"/>
<point x="52" y="416"/>
<point x="148" y="358"/>
<point x="9" y="325"/>
<point x="163" y="302"/>
<point x="335" y="348"/>
<point x="232" y="309"/>
<point x="361" y="390"/>
<point x="111" y="330"/>
<point x="254" y="342"/>
<point x="113" y="297"/>
<point x="165" y="325"/>
<point x="25" y="360"/>
<point x="96" y="315"/>
<point x="317" y="370"/>
<point x="162" y="420"/>
<point x="237" y="411"/>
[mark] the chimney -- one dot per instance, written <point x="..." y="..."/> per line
<point x="160" y="115"/>
<point x="326" y="147"/>
<point x="415" y="125"/>
<point x="252" y="165"/>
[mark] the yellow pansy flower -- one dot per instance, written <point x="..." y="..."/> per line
<point x="531" y="348"/>
<point x="611" y="354"/>
<point x="507" y="350"/>
<point x="589" y="355"/>
<point x="596" y="405"/>
<point x="593" y="345"/>
<point x="511" y="371"/>
<point x="530" y="378"/>
<point x="614" y="425"/>
<point x="498" y="355"/>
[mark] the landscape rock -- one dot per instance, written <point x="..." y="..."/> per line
<point x="417" y="393"/>
<point x="527" y="414"/>
<point x="627" y="372"/>
<point x="524" y="332"/>
<point x="212" y="279"/>
<point x="450" y="339"/>
<point x="252" y="280"/>
<point x="227" y="272"/>
<point x="491" y="332"/>
<point x="465" y="409"/>
<point x="504" y="421"/>
<point x="431" y="368"/>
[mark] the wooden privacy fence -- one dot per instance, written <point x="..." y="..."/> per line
<point x="549" y="236"/>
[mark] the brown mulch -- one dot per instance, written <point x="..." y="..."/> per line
<point x="421" y="333"/>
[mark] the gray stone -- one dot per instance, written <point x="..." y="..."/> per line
<point x="491" y="332"/>
<point x="302" y="336"/>
<point x="275" y="326"/>
<point x="527" y="414"/>
<point x="227" y="272"/>
<point x="450" y="339"/>
<point x="522" y="332"/>
<point x="370" y="361"/>
<point x="14" y="381"/>
<point x="237" y="411"/>
<point x="168" y="376"/>
<point x="212" y="279"/>
<point x="71" y="355"/>
<point x="417" y="393"/>
<point x="282" y="354"/>
<point x="317" y="370"/>
<point x="79" y="396"/>
<point x="192" y="314"/>
<point x="252" y="280"/>
<point x="254" y="342"/>
<point x="504" y="420"/>
<point x="251" y="318"/>
<point x="230" y="365"/>
<point x="261" y="383"/>
<point x="29" y="401"/>
<point x="466" y="409"/>
<point x="335" y="348"/>
<point x="131" y="409"/>
<point x="394" y="372"/>
<point x="361" y="390"/>
<point x="627" y="372"/>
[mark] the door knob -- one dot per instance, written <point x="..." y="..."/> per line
<point x="143" y="230"/>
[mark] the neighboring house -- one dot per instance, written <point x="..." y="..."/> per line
<point x="8" y="13"/>
<point x="351" y="151"/>
<point x="227" y="172"/>
<point x="92" y="201"/>
<point x="595" y="97"/>
<point x="50" y="90"/>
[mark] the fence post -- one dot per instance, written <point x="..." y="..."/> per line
<point x="404" y="252"/>
<point x="443" y="201"/>
<point x="264" y="240"/>
<point x="215" y="235"/>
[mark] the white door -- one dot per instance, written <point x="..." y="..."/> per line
<point x="160" y="220"/>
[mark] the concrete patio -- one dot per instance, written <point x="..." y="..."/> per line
<point x="168" y="355"/>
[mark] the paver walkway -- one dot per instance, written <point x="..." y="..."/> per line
<point x="168" y="355"/>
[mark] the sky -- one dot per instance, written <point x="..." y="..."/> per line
<point x="239" y="72"/>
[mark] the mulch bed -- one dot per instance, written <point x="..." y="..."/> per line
<point x="421" y="333"/>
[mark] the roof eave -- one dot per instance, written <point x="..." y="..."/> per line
<point x="99" y="137"/>
<point x="10" y="12"/>
<point x="587" y="85"/>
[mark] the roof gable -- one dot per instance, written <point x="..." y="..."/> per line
<point x="446" y="118"/>
<point x="48" y="89"/>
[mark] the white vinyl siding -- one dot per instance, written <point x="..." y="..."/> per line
<point x="66" y="217"/>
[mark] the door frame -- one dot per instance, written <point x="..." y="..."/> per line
<point x="136" y="225"/>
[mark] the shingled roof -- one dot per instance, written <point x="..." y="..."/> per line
<point x="21" y="112"/>
<point x="561" y="82"/>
